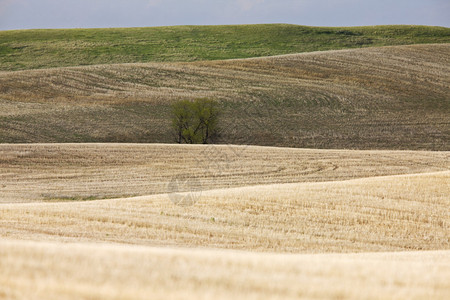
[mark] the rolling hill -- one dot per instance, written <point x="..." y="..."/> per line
<point x="374" y="98"/>
<point x="272" y="223"/>
<point x="272" y="241"/>
<point x="393" y="213"/>
<point x="248" y="198"/>
<point x="79" y="172"/>
<point x="367" y="216"/>
<point x="31" y="49"/>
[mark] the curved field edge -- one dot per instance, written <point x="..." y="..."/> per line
<point x="99" y="271"/>
<point x="31" y="49"/>
<point x="80" y="172"/>
<point x="375" y="98"/>
<point x="391" y="213"/>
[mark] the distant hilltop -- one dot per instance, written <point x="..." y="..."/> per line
<point x="50" y="48"/>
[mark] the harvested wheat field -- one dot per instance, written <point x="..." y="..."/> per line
<point x="375" y="98"/>
<point x="90" y="271"/>
<point x="99" y="221"/>
<point x="391" y="213"/>
<point x="65" y="172"/>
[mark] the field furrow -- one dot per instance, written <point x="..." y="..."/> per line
<point x="375" y="98"/>
<point x="71" y="172"/>
<point x="390" y="213"/>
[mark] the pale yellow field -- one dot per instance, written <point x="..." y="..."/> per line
<point x="55" y="172"/>
<point x="96" y="221"/>
<point x="390" y="213"/>
<point x="42" y="270"/>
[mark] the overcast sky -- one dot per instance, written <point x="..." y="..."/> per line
<point x="20" y="14"/>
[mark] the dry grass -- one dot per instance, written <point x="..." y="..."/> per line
<point x="377" y="98"/>
<point x="64" y="172"/>
<point x="321" y="206"/>
<point x="393" y="213"/>
<point x="38" y="270"/>
<point x="385" y="72"/>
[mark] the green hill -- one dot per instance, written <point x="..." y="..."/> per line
<point x="35" y="49"/>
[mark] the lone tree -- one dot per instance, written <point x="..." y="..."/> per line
<point x="195" y="122"/>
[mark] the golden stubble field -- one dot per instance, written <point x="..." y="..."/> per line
<point x="32" y="270"/>
<point x="98" y="221"/>
<point x="58" y="172"/>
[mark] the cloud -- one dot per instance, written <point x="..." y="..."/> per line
<point x="247" y="5"/>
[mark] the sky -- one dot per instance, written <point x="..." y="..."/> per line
<point x="26" y="14"/>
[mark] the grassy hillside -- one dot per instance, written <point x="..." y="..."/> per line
<point x="374" y="98"/>
<point x="44" y="270"/>
<point x="32" y="49"/>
